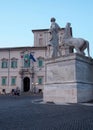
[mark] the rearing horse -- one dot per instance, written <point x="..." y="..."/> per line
<point x="79" y="44"/>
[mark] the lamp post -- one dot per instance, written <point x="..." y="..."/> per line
<point x="34" y="87"/>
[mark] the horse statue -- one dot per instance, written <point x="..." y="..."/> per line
<point x="79" y="44"/>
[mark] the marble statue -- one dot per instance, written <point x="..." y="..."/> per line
<point x="79" y="44"/>
<point x="54" y="39"/>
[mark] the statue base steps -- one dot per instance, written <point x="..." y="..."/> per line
<point x="68" y="79"/>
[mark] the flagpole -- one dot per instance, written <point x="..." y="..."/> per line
<point x="30" y="74"/>
<point x="32" y="60"/>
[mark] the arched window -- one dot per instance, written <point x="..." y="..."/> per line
<point x="4" y="63"/>
<point x="13" y="80"/>
<point x="40" y="41"/>
<point x="13" y="63"/>
<point x="4" y="80"/>
<point x="40" y="80"/>
<point x="40" y="62"/>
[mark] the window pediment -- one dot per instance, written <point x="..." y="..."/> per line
<point x="14" y="58"/>
<point x="4" y="59"/>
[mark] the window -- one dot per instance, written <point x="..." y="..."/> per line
<point x="4" y="79"/>
<point x="40" y="62"/>
<point x="40" y="80"/>
<point x="40" y="35"/>
<point x="4" y="63"/>
<point x="40" y="41"/>
<point x="14" y="63"/>
<point x="13" y="80"/>
<point x="26" y="60"/>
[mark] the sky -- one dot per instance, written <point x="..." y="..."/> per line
<point x="19" y="17"/>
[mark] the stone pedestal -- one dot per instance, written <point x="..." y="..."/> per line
<point x="69" y="79"/>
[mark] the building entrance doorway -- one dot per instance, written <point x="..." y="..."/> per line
<point x="26" y="84"/>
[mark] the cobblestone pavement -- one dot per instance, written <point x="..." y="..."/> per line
<point x="21" y="113"/>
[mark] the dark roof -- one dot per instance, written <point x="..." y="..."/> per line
<point x="22" y="48"/>
<point x="40" y="30"/>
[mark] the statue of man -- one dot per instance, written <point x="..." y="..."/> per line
<point x="54" y="40"/>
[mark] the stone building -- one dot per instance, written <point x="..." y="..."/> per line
<point x="24" y="67"/>
<point x="18" y="69"/>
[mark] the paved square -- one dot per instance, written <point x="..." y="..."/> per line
<point x="21" y="113"/>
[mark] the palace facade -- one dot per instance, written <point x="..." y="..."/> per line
<point x="24" y="67"/>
